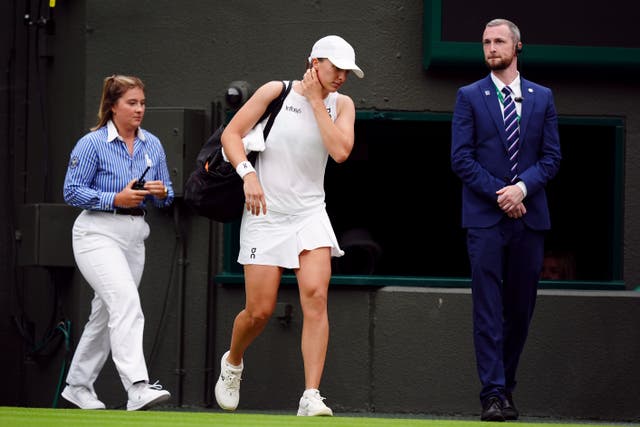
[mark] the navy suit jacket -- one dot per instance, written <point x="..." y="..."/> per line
<point x="479" y="152"/>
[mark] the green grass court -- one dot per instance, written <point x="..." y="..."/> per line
<point x="39" y="417"/>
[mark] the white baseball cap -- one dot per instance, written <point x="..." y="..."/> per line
<point x="338" y="51"/>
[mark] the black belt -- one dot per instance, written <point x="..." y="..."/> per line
<point x="128" y="211"/>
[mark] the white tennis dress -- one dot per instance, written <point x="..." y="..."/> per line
<point x="291" y="171"/>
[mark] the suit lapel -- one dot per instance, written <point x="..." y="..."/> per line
<point x="528" y="104"/>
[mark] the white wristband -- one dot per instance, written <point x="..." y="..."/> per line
<point x="244" y="168"/>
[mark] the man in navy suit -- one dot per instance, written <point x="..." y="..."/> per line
<point x="504" y="207"/>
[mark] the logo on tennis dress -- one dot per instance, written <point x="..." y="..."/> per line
<point x="293" y="109"/>
<point x="253" y="253"/>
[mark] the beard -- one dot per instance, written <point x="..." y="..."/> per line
<point x="497" y="64"/>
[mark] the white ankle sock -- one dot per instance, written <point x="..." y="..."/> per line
<point x="310" y="391"/>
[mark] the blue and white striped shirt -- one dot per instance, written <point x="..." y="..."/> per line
<point x="100" y="167"/>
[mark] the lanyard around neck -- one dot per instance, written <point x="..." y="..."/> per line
<point x="500" y="94"/>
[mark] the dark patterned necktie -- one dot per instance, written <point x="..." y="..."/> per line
<point x="512" y="128"/>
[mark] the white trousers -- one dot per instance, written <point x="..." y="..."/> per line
<point x="109" y="252"/>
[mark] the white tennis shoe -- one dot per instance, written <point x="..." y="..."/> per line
<point x="144" y="395"/>
<point x="82" y="397"/>
<point x="312" y="405"/>
<point x="227" y="390"/>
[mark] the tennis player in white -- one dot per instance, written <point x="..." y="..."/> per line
<point x="285" y="224"/>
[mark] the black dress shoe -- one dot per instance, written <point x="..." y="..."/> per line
<point x="492" y="409"/>
<point x="509" y="410"/>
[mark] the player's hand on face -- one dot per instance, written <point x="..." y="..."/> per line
<point x="311" y="86"/>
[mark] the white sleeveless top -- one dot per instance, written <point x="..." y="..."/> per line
<point x="292" y="166"/>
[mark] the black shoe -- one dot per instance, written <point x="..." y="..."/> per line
<point x="509" y="410"/>
<point x="492" y="409"/>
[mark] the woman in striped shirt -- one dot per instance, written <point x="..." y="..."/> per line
<point x="106" y="178"/>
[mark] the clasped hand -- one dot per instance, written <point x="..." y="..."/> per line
<point x="510" y="201"/>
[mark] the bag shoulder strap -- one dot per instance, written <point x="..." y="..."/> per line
<point x="274" y="107"/>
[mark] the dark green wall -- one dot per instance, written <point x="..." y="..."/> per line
<point x="187" y="53"/>
<point x="410" y="350"/>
